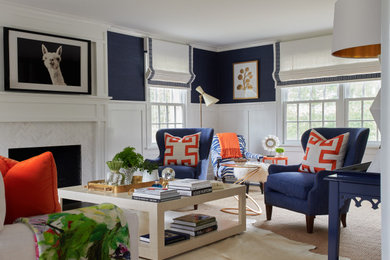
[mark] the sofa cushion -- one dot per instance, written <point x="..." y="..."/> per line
<point x="2" y="203"/>
<point x="6" y="164"/>
<point x="324" y="154"/>
<point x="181" y="151"/>
<point x="292" y="184"/>
<point x="31" y="188"/>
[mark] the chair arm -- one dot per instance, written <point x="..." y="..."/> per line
<point x="158" y="161"/>
<point x="275" y="168"/>
<point x="319" y="194"/>
<point x="250" y="155"/>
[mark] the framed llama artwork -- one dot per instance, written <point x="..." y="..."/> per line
<point x="245" y="80"/>
<point x="38" y="62"/>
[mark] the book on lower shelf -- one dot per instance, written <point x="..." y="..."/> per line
<point x="194" y="220"/>
<point x="171" y="236"/>
<point x="198" y="232"/>
<point x="191" y="228"/>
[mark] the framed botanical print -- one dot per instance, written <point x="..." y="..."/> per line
<point x="39" y="62"/>
<point x="245" y="80"/>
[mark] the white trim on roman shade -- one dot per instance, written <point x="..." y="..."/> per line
<point x="309" y="61"/>
<point x="169" y="64"/>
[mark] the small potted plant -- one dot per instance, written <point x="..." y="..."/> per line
<point x="150" y="172"/>
<point x="279" y="151"/>
<point x="131" y="162"/>
<point x="114" y="177"/>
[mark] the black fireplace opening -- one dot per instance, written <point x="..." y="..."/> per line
<point x="68" y="162"/>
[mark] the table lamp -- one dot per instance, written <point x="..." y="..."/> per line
<point x="357" y="34"/>
<point x="208" y="100"/>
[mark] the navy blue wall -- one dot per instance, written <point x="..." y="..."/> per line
<point x="214" y="72"/>
<point x="205" y="70"/>
<point x="264" y="55"/>
<point x="125" y="67"/>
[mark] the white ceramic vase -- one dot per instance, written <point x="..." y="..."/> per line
<point x="146" y="176"/>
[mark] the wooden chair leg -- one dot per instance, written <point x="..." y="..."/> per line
<point x="309" y="223"/>
<point x="268" y="211"/>
<point x="261" y="187"/>
<point x="343" y="218"/>
<point x="196" y="207"/>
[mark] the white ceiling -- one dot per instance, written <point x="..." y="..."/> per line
<point x="208" y="23"/>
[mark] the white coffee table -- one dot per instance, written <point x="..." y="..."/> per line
<point x="156" y="249"/>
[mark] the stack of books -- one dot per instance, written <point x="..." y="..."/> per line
<point x="155" y="194"/>
<point x="191" y="187"/>
<point x="194" y="224"/>
<point x="170" y="237"/>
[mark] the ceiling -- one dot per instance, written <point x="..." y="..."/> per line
<point x="208" y="23"/>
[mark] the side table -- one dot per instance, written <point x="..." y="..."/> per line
<point x="344" y="186"/>
<point x="275" y="159"/>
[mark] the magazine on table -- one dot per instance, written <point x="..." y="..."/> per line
<point x="194" y="219"/>
<point x="171" y="236"/>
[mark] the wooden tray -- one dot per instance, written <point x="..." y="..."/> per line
<point x="100" y="185"/>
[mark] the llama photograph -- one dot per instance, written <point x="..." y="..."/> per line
<point x="41" y="62"/>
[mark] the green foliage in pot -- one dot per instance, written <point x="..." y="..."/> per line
<point x="149" y="166"/>
<point x="114" y="165"/>
<point x="130" y="158"/>
<point x="279" y="150"/>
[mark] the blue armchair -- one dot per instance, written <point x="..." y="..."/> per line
<point x="182" y="171"/>
<point x="308" y="193"/>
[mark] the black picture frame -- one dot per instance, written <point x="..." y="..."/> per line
<point x="40" y="62"/>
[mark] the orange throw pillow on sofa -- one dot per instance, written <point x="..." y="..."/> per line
<point x="6" y="164"/>
<point x="31" y="188"/>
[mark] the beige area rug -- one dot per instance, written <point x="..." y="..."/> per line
<point x="255" y="243"/>
<point x="360" y="240"/>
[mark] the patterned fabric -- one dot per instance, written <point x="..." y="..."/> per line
<point x="322" y="154"/>
<point x="181" y="151"/>
<point x="216" y="158"/>
<point x="97" y="232"/>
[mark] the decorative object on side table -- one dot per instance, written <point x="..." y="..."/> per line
<point x="245" y="80"/>
<point x="131" y="162"/>
<point x="279" y="151"/>
<point x="270" y="142"/>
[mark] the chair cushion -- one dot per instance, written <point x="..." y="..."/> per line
<point x="181" y="171"/>
<point x="31" y="188"/>
<point x="292" y="184"/>
<point x="324" y="154"/>
<point x="2" y="203"/>
<point x="181" y="151"/>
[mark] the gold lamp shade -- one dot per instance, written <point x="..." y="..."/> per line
<point x="357" y="29"/>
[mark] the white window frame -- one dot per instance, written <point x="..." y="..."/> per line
<point x="341" y="112"/>
<point x="149" y="143"/>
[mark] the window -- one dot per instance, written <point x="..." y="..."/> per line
<point x="331" y="105"/>
<point x="166" y="109"/>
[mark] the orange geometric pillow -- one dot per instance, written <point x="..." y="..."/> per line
<point x="322" y="154"/>
<point x="31" y="188"/>
<point x="181" y="151"/>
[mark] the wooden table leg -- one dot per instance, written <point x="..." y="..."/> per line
<point x="334" y="221"/>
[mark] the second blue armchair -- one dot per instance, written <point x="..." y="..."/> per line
<point x="182" y="171"/>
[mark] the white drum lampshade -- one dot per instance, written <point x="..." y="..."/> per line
<point x="357" y="29"/>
